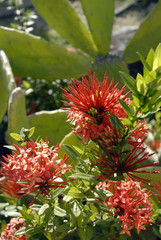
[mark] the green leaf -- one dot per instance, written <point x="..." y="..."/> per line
<point x="43" y="209"/>
<point x="35" y="57"/>
<point x="84" y="176"/>
<point x="50" y="124"/>
<point x="21" y="231"/>
<point x="59" y="211"/>
<point x="62" y="17"/>
<point x="74" y="192"/>
<point x="116" y="122"/>
<point x="126" y="122"/>
<point x="130" y="82"/>
<point x="157" y="57"/>
<point x="140" y="84"/>
<point x="77" y="210"/>
<point x="149" y="32"/>
<point x="100" y="20"/>
<point x="72" y="152"/>
<point x="7" y="83"/>
<point x="26" y="216"/>
<point x="127" y="109"/>
<point x="72" y="140"/>
<point x="102" y="194"/>
<point x="16" y="136"/>
<point x="31" y="132"/>
<point x="149" y="60"/>
<point x="144" y="62"/>
<point x="34" y="230"/>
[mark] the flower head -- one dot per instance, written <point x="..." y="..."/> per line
<point x="130" y="203"/>
<point x="90" y="104"/>
<point x="34" y="168"/>
<point x="120" y="163"/>
<point x="10" y="229"/>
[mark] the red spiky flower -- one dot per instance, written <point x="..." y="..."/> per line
<point x="34" y="169"/>
<point x="119" y="163"/>
<point x="10" y="229"/>
<point x="90" y="104"/>
<point x="130" y="203"/>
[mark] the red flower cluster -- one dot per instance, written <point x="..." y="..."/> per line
<point x="116" y="162"/>
<point x="91" y="103"/>
<point x="130" y="203"/>
<point x="10" y="229"/>
<point x="34" y="168"/>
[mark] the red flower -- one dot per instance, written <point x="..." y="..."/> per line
<point x="10" y="229"/>
<point x="131" y="204"/>
<point x="92" y="101"/>
<point x="35" y="168"/>
<point x="116" y="162"/>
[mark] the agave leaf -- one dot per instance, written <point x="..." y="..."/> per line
<point x="16" y="113"/>
<point x="7" y="83"/>
<point x="62" y="17"/>
<point x="148" y="36"/>
<point x="35" y="57"/>
<point x="100" y="17"/>
<point x="50" y="124"/>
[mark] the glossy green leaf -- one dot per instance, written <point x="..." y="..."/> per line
<point x="35" y="57"/>
<point x="77" y="209"/>
<point x="116" y="122"/>
<point x="140" y="84"/>
<point x="16" y="136"/>
<point x="126" y="108"/>
<point x="59" y="211"/>
<point x="130" y="82"/>
<point x="84" y="176"/>
<point x="71" y="140"/>
<point x="7" y="83"/>
<point x="149" y="61"/>
<point x="73" y="153"/>
<point x="34" y="230"/>
<point x="62" y="17"/>
<point x="74" y="192"/>
<point x="16" y="113"/>
<point x="144" y="62"/>
<point x="148" y="36"/>
<point x="50" y="124"/>
<point x="100" y="17"/>
<point x="43" y="209"/>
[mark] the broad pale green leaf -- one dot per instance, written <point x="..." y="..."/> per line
<point x="7" y="83"/>
<point x="50" y="124"/>
<point x="62" y="17"/>
<point x="149" y="60"/>
<point x="16" y="113"/>
<point x="148" y="36"/>
<point x="35" y="57"/>
<point x="100" y="17"/>
<point x="157" y="57"/>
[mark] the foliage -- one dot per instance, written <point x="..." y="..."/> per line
<point x="106" y="188"/>
<point x="88" y="45"/>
